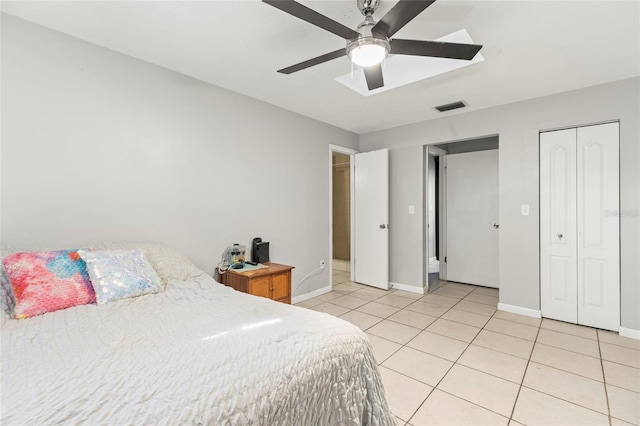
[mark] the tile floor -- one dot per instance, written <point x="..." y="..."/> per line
<point x="450" y="358"/>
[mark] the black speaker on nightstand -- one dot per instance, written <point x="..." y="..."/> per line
<point x="259" y="250"/>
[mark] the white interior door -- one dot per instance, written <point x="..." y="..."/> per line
<point x="598" y="226"/>
<point x="472" y="218"/>
<point x="580" y="225"/>
<point x="558" y="254"/>
<point x="371" y="218"/>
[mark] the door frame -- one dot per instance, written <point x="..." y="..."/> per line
<point x="436" y="152"/>
<point x="351" y="152"/>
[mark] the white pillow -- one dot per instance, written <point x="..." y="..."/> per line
<point x="120" y="274"/>
<point x="169" y="263"/>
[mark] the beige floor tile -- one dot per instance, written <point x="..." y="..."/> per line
<point x="408" y="294"/>
<point x="339" y="279"/>
<point x="514" y="423"/>
<point x="369" y="293"/>
<point x="477" y="308"/>
<point x="349" y="301"/>
<point x="450" y="292"/>
<point x="569" y="342"/>
<point x="624" y="404"/>
<point x="481" y="298"/>
<point x="618" y="422"/>
<point x="345" y="288"/>
<point x="622" y="376"/>
<point x="572" y="362"/>
<point x="565" y="327"/>
<point x="480" y="388"/>
<point x="360" y="319"/>
<point x="418" y="365"/>
<point x="620" y="354"/>
<point x="499" y="364"/>
<point x="465" y="317"/>
<point x="459" y="286"/>
<point x="378" y="309"/>
<point x="414" y="319"/>
<point x="309" y="303"/>
<point x="503" y="343"/>
<point x="329" y="296"/>
<point x="437" y="299"/>
<point x="404" y="394"/>
<point x="395" y="301"/>
<point x="357" y="285"/>
<point x="615" y="339"/>
<point x="442" y="408"/>
<point x="538" y="409"/>
<point x="394" y="331"/>
<point x="487" y="291"/>
<point x="435" y="344"/>
<point x="511" y="328"/>
<point x="427" y="308"/>
<point x="522" y="319"/>
<point x="455" y="330"/>
<point x="568" y="386"/>
<point x="382" y="348"/>
<point x="330" y="308"/>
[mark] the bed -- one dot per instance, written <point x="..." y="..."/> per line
<point x="195" y="353"/>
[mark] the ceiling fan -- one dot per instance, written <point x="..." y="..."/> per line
<point x="371" y="42"/>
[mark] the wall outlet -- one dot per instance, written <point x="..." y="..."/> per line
<point x="322" y="263"/>
<point x="524" y="209"/>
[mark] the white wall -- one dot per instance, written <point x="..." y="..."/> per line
<point x="97" y="145"/>
<point x="518" y="125"/>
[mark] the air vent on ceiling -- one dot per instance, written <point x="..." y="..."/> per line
<point x="449" y="107"/>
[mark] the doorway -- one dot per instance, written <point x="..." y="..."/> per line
<point x="460" y="226"/>
<point x="341" y="211"/>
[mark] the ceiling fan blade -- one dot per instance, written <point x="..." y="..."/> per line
<point x="311" y="16"/>
<point x="436" y="49"/>
<point x="315" y="61"/>
<point x="399" y="16"/>
<point x="373" y="75"/>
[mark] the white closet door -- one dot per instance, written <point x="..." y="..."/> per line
<point x="598" y="226"/>
<point x="558" y="249"/>
<point x="580" y="226"/>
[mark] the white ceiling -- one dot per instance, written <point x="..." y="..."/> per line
<point x="531" y="49"/>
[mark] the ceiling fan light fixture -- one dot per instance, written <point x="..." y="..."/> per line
<point x="368" y="51"/>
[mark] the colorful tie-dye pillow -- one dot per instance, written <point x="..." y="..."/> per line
<point x="48" y="281"/>
<point x="120" y="274"/>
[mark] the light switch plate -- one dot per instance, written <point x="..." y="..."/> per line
<point x="524" y="209"/>
<point x="412" y="210"/>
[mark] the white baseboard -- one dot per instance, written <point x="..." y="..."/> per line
<point x="520" y="310"/>
<point x="406" y="287"/>
<point x="629" y="332"/>
<point x="311" y="294"/>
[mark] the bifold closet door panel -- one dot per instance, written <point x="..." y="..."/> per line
<point x="558" y="240"/>
<point x="598" y="225"/>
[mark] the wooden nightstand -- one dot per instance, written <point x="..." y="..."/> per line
<point x="273" y="282"/>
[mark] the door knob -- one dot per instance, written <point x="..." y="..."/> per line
<point x="559" y="235"/>
<point x="383" y="226"/>
<point x="496" y="225"/>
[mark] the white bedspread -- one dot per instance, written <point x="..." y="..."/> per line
<point x="198" y="353"/>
